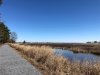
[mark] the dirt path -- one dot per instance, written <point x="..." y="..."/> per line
<point x="11" y="63"/>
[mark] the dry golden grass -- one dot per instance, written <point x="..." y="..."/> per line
<point x="43" y="56"/>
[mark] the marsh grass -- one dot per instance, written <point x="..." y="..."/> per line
<point x="95" y="49"/>
<point x="44" y="58"/>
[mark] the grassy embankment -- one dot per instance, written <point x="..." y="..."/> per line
<point x="49" y="64"/>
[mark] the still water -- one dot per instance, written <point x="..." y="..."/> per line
<point x="77" y="56"/>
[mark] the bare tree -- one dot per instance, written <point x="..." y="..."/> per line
<point x="13" y="37"/>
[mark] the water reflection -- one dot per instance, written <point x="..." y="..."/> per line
<point x="77" y="56"/>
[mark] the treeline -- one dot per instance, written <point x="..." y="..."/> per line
<point x="6" y="35"/>
<point x="93" y="42"/>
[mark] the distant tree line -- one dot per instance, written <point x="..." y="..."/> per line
<point x="93" y="42"/>
<point x="6" y="35"/>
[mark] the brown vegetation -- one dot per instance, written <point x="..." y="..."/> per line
<point x="76" y="47"/>
<point x="95" y="49"/>
<point x="43" y="57"/>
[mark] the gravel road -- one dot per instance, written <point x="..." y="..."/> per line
<point x="11" y="63"/>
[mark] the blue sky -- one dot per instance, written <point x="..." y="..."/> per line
<point x="53" y="20"/>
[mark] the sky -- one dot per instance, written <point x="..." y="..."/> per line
<point x="53" y="20"/>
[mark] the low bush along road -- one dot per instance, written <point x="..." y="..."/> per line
<point x="11" y="63"/>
